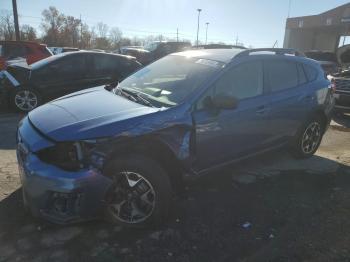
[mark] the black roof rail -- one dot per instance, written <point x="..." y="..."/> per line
<point x="277" y="51"/>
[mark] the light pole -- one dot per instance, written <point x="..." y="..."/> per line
<point x="206" y="33"/>
<point x="199" y="12"/>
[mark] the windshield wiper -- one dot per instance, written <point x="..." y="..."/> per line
<point x="136" y="96"/>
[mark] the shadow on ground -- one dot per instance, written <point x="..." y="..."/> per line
<point x="292" y="214"/>
<point x="342" y="120"/>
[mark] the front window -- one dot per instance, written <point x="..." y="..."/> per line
<point x="170" y="80"/>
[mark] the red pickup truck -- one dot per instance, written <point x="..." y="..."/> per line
<point x="14" y="50"/>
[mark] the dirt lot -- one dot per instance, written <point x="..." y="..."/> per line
<point x="271" y="208"/>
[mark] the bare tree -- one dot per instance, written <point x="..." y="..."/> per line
<point x="102" y="30"/>
<point x="86" y="37"/>
<point x="70" y="31"/>
<point x="115" y="35"/>
<point x="28" y="33"/>
<point x="7" y="30"/>
<point x="52" y="24"/>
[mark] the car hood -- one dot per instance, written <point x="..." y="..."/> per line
<point x="91" y="113"/>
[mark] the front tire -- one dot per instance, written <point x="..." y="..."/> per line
<point x="25" y="99"/>
<point x="141" y="192"/>
<point x="308" y="138"/>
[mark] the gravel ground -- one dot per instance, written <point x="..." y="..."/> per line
<point x="271" y="208"/>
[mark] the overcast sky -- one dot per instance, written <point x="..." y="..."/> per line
<point x="255" y="22"/>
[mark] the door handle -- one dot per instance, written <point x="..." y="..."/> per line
<point x="261" y="110"/>
<point x="308" y="98"/>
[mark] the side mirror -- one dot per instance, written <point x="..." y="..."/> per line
<point x="222" y="101"/>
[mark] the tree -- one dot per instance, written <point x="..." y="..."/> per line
<point x="115" y="35"/>
<point x="70" y="31"/>
<point x="27" y="33"/>
<point x="52" y="24"/>
<point x="102" y="30"/>
<point x="86" y="37"/>
<point x="7" y="29"/>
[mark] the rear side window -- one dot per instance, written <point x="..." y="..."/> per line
<point x="301" y="75"/>
<point x="311" y="72"/>
<point x="105" y="65"/>
<point x="281" y="74"/>
<point x="128" y="66"/>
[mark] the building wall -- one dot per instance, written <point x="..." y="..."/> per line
<point x="318" y="32"/>
<point x="312" y="39"/>
<point x="299" y="39"/>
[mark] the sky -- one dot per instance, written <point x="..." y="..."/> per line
<point x="257" y="23"/>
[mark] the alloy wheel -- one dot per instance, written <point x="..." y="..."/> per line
<point x="132" y="198"/>
<point x="311" y="138"/>
<point x="26" y="100"/>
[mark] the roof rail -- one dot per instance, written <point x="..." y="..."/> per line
<point x="277" y="51"/>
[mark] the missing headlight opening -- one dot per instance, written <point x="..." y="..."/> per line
<point x="68" y="156"/>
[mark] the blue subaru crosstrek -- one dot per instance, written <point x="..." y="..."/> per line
<point x="123" y="153"/>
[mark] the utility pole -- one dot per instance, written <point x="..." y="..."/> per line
<point x="15" y="19"/>
<point x="237" y="40"/>
<point x="199" y="12"/>
<point x="177" y="34"/>
<point x="206" y="33"/>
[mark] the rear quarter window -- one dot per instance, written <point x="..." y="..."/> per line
<point x="301" y="74"/>
<point x="311" y="72"/>
<point x="128" y="67"/>
<point x="105" y="65"/>
<point x="281" y="74"/>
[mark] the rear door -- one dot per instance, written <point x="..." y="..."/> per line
<point x="289" y="97"/>
<point x="104" y="69"/>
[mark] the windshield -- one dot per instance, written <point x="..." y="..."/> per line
<point x="170" y="80"/>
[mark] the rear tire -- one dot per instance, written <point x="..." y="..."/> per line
<point x="25" y="99"/>
<point x="308" y="138"/>
<point x="141" y="193"/>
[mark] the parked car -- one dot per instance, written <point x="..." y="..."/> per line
<point x="59" y="50"/>
<point x="141" y="55"/>
<point x="218" y="46"/>
<point x="341" y="85"/>
<point x="156" y="50"/>
<point x="327" y="60"/>
<point x="124" y="152"/>
<point x="30" y="51"/>
<point x="29" y="86"/>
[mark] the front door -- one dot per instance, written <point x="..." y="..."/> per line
<point x="226" y="134"/>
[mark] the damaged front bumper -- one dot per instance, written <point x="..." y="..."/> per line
<point x="57" y="195"/>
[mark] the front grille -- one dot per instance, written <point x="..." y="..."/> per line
<point x="342" y="83"/>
